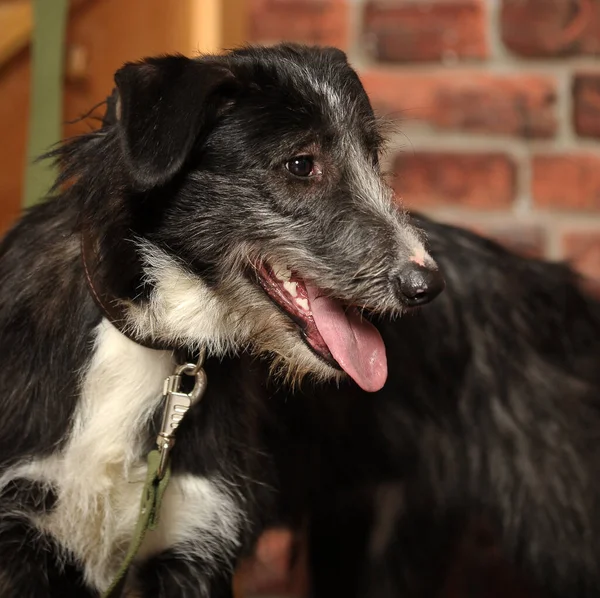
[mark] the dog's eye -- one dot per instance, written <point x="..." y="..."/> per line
<point x="303" y="166"/>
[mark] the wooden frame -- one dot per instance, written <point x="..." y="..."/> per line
<point x="217" y="24"/>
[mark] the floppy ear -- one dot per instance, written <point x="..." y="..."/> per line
<point x="163" y="105"/>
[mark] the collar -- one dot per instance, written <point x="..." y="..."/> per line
<point x="175" y="405"/>
<point x="113" y="308"/>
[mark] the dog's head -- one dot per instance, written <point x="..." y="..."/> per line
<point x="262" y="218"/>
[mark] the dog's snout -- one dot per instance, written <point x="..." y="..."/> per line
<point x="419" y="284"/>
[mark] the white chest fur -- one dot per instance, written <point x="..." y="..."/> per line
<point x="98" y="476"/>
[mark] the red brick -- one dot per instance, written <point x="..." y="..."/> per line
<point x="586" y="105"/>
<point x="523" y="105"/>
<point x="582" y="250"/>
<point x="323" y="22"/>
<point x="426" y="179"/>
<point x="418" y="30"/>
<point x="567" y="181"/>
<point x="551" y="27"/>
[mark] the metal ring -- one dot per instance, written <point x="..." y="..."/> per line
<point x="186" y="368"/>
<point x="192" y="369"/>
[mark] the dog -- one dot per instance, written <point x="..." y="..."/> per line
<point x="484" y="441"/>
<point x="235" y="207"/>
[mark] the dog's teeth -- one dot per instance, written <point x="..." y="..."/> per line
<point x="282" y="272"/>
<point x="291" y="288"/>
<point x="303" y="303"/>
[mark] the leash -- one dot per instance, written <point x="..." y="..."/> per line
<point x="175" y="405"/>
<point x="148" y="519"/>
<point x="114" y="310"/>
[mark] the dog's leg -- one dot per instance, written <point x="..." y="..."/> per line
<point x="172" y="575"/>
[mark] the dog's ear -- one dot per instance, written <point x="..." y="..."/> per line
<point x="163" y="105"/>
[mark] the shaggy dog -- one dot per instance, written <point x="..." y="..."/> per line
<point x="235" y="207"/>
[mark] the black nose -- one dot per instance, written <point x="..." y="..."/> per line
<point x="419" y="284"/>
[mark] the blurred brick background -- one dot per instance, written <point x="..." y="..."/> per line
<point x="496" y="102"/>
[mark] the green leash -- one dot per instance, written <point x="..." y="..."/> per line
<point x="46" y="105"/>
<point x="148" y="518"/>
<point x="175" y="405"/>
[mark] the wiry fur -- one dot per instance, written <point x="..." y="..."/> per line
<point x="490" y="408"/>
<point x="174" y="203"/>
<point x="185" y="311"/>
<point x="488" y="428"/>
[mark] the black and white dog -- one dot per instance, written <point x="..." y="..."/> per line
<point x="236" y="205"/>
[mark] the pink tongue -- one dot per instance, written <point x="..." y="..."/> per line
<point x="353" y="341"/>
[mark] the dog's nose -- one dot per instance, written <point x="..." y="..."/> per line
<point x="419" y="284"/>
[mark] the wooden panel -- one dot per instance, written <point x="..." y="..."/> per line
<point x="102" y="34"/>
<point x="217" y="25"/>
<point x="234" y="21"/>
<point x="16" y="20"/>
<point x="111" y="32"/>
<point x="205" y="26"/>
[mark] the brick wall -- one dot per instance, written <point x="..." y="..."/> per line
<point x="497" y="104"/>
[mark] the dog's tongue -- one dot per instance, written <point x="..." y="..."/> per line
<point x="353" y="341"/>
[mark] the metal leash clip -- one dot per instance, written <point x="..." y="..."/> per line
<point x="176" y="405"/>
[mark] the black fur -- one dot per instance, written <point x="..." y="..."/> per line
<point x="187" y="178"/>
<point x="490" y="403"/>
<point x="490" y="413"/>
<point x="38" y="271"/>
